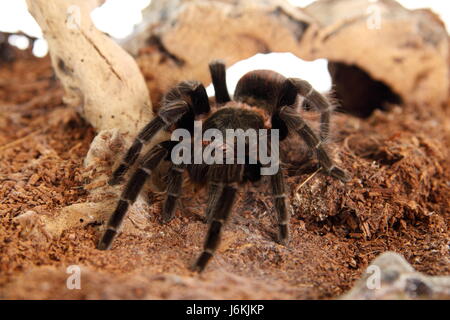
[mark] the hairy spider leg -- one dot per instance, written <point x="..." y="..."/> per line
<point x="188" y="97"/>
<point x="281" y="206"/>
<point x="173" y="192"/>
<point x="133" y="152"/>
<point x="317" y="101"/>
<point x="149" y="162"/>
<point x="220" y="213"/>
<point x="214" y="191"/>
<point x="295" y="122"/>
<point x="218" y="76"/>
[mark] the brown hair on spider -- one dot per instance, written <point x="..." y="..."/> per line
<point x="263" y="99"/>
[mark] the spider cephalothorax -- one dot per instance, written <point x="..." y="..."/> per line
<point x="263" y="100"/>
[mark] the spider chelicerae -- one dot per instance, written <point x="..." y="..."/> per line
<point x="263" y="99"/>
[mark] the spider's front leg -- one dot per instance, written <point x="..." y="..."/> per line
<point x="187" y="96"/>
<point x="295" y="122"/>
<point x="220" y="213"/>
<point x="131" y="191"/>
<point x="222" y="199"/>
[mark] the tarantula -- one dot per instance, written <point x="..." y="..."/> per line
<point x="263" y="99"/>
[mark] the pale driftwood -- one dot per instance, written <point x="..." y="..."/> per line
<point x="178" y="38"/>
<point x="408" y="50"/>
<point x="103" y="82"/>
<point x="98" y="76"/>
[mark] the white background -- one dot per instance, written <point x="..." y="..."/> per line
<point x="118" y="17"/>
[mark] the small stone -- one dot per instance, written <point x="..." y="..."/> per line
<point x="390" y="276"/>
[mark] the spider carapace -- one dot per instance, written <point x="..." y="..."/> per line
<point x="263" y="99"/>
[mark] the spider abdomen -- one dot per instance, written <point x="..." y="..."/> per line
<point x="236" y="116"/>
<point x="260" y="88"/>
